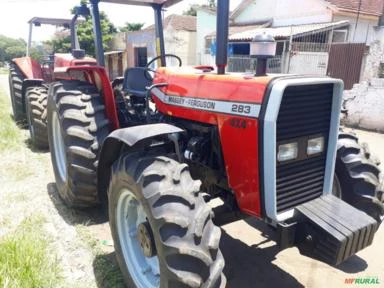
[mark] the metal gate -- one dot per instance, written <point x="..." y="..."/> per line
<point x="345" y="62"/>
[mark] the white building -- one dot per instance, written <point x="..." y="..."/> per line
<point x="362" y="18"/>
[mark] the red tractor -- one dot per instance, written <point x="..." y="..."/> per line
<point x="268" y="146"/>
<point x="29" y="80"/>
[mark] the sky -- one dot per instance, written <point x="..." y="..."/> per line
<point x="14" y="14"/>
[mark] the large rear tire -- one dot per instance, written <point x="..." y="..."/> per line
<point x="15" y="87"/>
<point x="36" y="106"/>
<point x="77" y="127"/>
<point x="357" y="177"/>
<point x="182" y="243"/>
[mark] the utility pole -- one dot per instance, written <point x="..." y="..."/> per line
<point x="357" y="19"/>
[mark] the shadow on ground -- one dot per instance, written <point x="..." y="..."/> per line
<point x="31" y="147"/>
<point x="353" y="265"/>
<point x="251" y="266"/>
<point x="246" y="266"/>
<point x="107" y="272"/>
<point x="74" y="216"/>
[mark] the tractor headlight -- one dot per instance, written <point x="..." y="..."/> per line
<point x="315" y="146"/>
<point x="287" y="152"/>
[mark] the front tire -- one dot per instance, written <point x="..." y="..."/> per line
<point x="77" y="127"/>
<point x="36" y="105"/>
<point x="357" y="177"/>
<point x="16" y="79"/>
<point x="183" y="234"/>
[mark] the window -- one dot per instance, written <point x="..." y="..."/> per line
<point x="339" y="36"/>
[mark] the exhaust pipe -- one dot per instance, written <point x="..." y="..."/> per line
<point x="222" y="23"/>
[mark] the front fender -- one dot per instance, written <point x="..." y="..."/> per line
<point x="125" y="138"/>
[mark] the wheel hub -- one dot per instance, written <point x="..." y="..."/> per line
<point x="145" y="238"/>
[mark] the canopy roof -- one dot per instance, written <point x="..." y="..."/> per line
<point x="166" y="3"/>
<point x="51" y="21"/>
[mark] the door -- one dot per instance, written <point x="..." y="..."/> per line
<point x="345" y="62"/>
<point x="141" y="58"/>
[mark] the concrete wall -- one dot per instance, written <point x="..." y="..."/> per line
<point x="295" y="12"/>
<point x="284" y="13"/>
<point x="364" y="32"/>
<point x="182" y="44"/>
<point x="365" y="104"/>
<point x="119" y="41"/>
<point x="372" y="60"/>
<point x="144" y="38"/>
<point x="205" y="24"/>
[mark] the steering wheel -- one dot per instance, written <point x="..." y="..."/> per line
<point x="165" y="55"/>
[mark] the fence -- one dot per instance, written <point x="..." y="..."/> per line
<point x="247" y="64"/>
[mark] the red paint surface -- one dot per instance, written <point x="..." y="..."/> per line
<point x="30" y="68"/>
<point x="240" y="150"/>
<point x="97" y="76"/>
<point x="239" y="145"/>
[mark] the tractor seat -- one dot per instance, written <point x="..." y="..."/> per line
<point x="135" y="81"/>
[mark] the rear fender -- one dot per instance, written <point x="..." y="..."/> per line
<point x="97" y="76"/>
<point x="30" y="68"/>
<point x="123" y="140"/>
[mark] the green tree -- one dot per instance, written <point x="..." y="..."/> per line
<point x="86" y="36"/>
<point x="192" y="8"/>
<point x="211" y="3"/>
<point x="191" y="11"/>
<point x="11" y="48"/>
<point x="61" y="41"/>
<point x="131" y="27"/>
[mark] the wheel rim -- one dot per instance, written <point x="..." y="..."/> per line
<point x="58" y="148"/>
<point x="145" y="272"/>
<point x="336" y="188"/>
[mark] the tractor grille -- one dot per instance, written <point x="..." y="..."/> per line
<point x="304" y="111"/>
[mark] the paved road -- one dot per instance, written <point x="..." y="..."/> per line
<point x="254" y="260"/>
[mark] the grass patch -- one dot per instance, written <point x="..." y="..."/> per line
<point x="25" y="258"/>
<point x="10" y="134"/>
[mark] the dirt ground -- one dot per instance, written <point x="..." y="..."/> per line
<point x="252" y="256"/>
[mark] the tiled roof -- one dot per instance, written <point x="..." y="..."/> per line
<point x="241" y="28"/>
<point x="371" y="7"/>
<point x="243" y="4"/>
<point x="285" y="32"/>
<point x="178" y="22"/>
<point x="181" y="22"/>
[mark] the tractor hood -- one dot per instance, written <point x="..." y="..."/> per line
<point x="67" y="59"/>
<point x="196" y="83"/>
